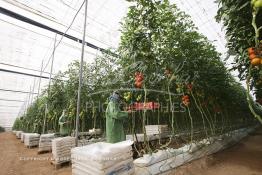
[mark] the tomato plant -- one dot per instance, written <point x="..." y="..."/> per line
<point x="162" y="59"/>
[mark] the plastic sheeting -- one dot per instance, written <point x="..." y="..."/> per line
<point x="18" y="134"/>
<point x="166" y="160"/>
<point x="31" y="139"/>
<point x="25" y="46"/>
<point x="61" y="149"/>
<point x="103" y="158"/>
<point x="45" y="142"/>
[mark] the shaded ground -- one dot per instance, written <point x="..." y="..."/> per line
<point x="16" y="159"/>
<point x="245" y="158"/>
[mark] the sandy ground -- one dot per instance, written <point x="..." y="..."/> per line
<point x="16" y="159"/>
<point x="245" y="158"/>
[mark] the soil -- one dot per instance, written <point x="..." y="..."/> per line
<point x="16" y="159"/>
<point x="245" y="158"/>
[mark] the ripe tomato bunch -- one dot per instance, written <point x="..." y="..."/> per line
<point x="254" y="56"/>
<point x="139" y="77"/>
<point x="185" y="100"/>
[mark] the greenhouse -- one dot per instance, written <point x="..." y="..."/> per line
<point x="131" y="87"/>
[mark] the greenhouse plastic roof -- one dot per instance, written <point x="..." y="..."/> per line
<point x="23" y="46"/>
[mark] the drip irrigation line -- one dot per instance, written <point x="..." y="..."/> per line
<point x="16" y="91"/>
<point x="40" y="25"/>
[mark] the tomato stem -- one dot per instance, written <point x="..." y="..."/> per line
<point x="260" y="28"/>
<point x="254" y="14"/>
<point x="202" y="115"/>
<point x="144" y="122"/>
<point x="249" y="100"/>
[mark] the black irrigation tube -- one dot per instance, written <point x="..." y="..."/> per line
<point x="10" y="90"/>
<point x="35" y="23"/>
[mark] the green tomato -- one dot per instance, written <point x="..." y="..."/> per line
<point x="139" y="97"/>
<point x="127" y="97"/>
<point x="258" y="4"/>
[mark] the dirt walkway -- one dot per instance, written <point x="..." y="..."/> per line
<point x="16" y="159"/>
<point x="245" y="158"/>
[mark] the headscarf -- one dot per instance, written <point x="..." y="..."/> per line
<point x="115" y="97"/>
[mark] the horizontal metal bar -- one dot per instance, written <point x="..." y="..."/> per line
<point x="16" y="91"/>
<point x="22" y="73"/>
<point x="1" y="99"/>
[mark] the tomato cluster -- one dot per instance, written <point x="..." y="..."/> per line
<point x="185" y="100"/>
<point x="127" y="96"/>
<point x="139" y="77"/>
<point x="254" y="56"/>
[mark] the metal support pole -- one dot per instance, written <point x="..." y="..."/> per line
<point x="52" y="63"/>
<point x="40" y="79"/>
<point x="27" y="102"/>
<point x="80" y="77"/>
<point x="49" y="83"/>
<point x="24" y="106"/>
<point x="33" y="90"/>
<point x="29" y="97"/>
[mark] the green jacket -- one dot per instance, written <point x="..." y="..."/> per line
<point x="114" y="123"/>
<point x="63" y="125"/>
